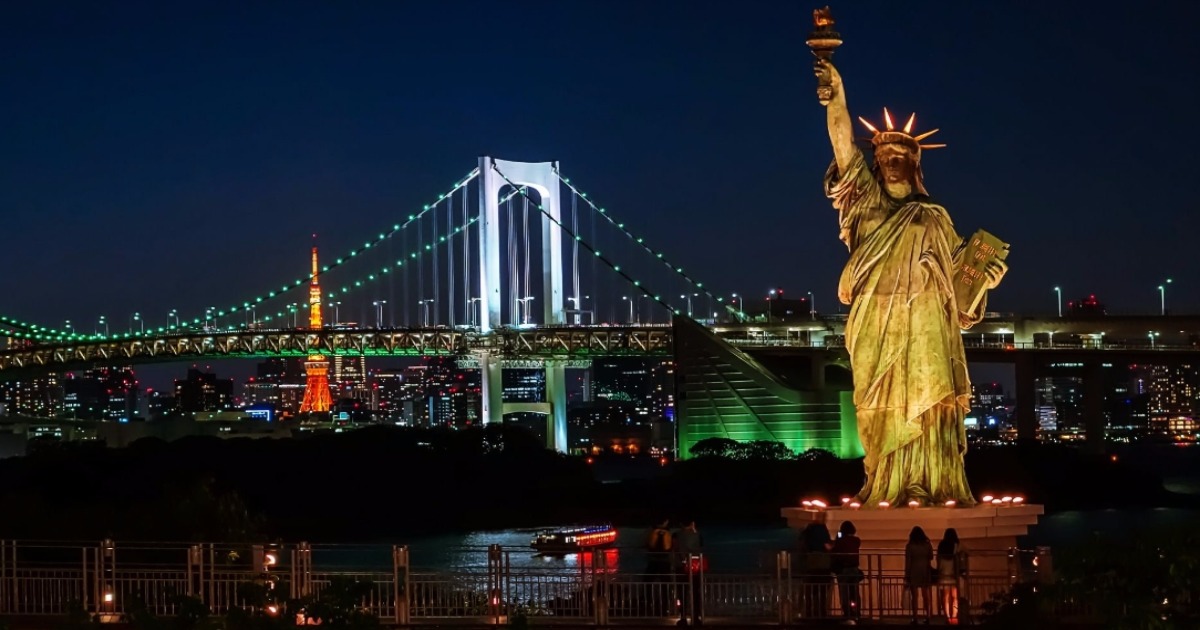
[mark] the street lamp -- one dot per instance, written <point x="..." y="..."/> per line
<point x="1152" y="335"/>
<point x="174" y="313"/>
<point x="579" y="307"/>
<point x="207" y="314"/>
<point x="104" y="323"/>
<point x="426" y="304"/>
<point x="1162" y="295"/>
<point x="689" y="297"/>
<point x="649" y="311"/>
<point x="812" y="306"/>
<point x="336" y="313"/>
<point x="525" y="308"/>
<point x="379" y="312"/>
<point x="70" y="329"/>
<point x="1058" y="290"/>
<point x="626" y="298"/>
<point x="137" y="317"/>
<point x="770" y="294"/>
<point x="741" y="308"/>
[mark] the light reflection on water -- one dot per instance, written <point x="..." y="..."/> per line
<point x="730" y="548"/>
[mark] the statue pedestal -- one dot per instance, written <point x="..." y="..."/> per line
<point x="987" y="532"/>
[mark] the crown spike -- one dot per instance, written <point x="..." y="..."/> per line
<point x="932" y="146"/>
<point x="908" y="125"/>
<point x="868" y="125"/>
<point x="926" y="135"/>
<point x="887" y="119"/>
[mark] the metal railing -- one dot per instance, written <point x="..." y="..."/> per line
<point x="112" y="580"/>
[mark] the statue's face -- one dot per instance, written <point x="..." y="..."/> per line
<point x="896" y="163"/>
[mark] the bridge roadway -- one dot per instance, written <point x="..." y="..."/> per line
<point x="505" y="343"/>
<point x="1003" y="339"/>
<point x="1023" y="331"/>
<point x="1083" y="347"/>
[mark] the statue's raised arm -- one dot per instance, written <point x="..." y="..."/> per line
<point x="837" y="114"/>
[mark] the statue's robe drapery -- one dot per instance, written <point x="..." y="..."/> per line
<point x="911" y="390"/>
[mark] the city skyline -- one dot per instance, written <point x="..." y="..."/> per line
<point x="198" y="151"/>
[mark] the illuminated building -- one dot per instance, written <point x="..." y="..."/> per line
<point x="100" y="394"/>
<point x="724" y="392"/>
<point x="279" y="382"/>
<point x="526" y="385"/>
<point x="350" y="377"/>
<point x="1172" y="395"/>
<point x="40" y="397"/>
<point x="645" y="382"/>
<point x="387" y="396"/>
<point x="316" y="388"/>
<point x="435" y="392"/>
<point x="203" y="391"/>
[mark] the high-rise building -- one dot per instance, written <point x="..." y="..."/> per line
<point x="387" y="396"/>
<point x="108" y="393"/>
<point x="350" y="377"/>
<point x="40" y="397"/>
<point x="646" y="382"/>
<point x="1060" y="404"/>
<point x="1172" y="398"/>
<point x="203" y="391"/>
<point x="526" y="385"/>
<point x="279" y="382"/>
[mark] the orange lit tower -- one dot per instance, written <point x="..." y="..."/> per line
<point x="316" y="389"/>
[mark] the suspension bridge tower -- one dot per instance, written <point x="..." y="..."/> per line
<point x="542" y="177"/>
<point x="316" y="388"/>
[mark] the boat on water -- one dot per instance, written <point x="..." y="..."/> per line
<point x="574" y="540"/>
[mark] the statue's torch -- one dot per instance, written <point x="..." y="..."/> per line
<point x="823" y="40"/>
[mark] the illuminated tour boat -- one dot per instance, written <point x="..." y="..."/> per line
<point x="564" y="541"/>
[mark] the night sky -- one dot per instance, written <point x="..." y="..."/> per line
<point x="177" y="155"/>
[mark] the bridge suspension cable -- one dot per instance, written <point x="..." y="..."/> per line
<point x="246" y="305"/>
<point x="637" y="284"/>
<point x="640" y="242"/>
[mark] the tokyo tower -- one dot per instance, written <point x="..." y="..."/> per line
<point x="316" y="389"/>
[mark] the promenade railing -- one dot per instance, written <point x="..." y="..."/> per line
<point x="111" y="580"/>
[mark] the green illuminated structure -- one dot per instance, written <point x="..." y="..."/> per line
<point x="722" y="391"/>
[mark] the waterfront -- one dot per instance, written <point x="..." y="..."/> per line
<point x="734" y="548"/>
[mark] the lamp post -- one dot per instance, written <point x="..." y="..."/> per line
<point x="812" y="306"/>
<point x="70" y="329"/>
<point x="379" y="312"/>
<point x="137" y="317"/>
<point x="770" y="294"/>
<point x="688" y="297"/>
<point x="207" y="314"/>
<point x="336" y="313"/>
<point x="425" y="303"/>
<point x="649" y="311"/>
<point x="474" y="319"/>
<point x="1058" y="291"/>
<point x="1162" y="296"/>
<point x="741" y="307"/>
<point x="525" y="308"/>
<point x="103" y="322"/>
<point x="173" y="314"/>
<point x="626" y="298"/>
<point x="1152" y="335"/>
<point x="575" y="307"/>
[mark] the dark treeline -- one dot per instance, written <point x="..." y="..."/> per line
<point x="387" y="483"/>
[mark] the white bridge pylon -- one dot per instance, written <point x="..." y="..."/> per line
<point x="539" y="176"/>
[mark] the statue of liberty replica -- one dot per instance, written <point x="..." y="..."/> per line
<point x="912" y="284"/>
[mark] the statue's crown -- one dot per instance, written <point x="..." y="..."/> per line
<point x="905" y="137"/>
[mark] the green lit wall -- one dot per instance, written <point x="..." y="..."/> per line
<point x="723" y="392"/>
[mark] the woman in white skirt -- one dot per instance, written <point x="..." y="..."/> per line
<point x="951" y="568"/>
